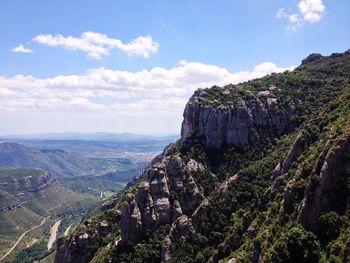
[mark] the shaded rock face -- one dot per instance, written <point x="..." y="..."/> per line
<point x="288" y="197"/>
<point x="42" y="183"/>
<point x="71" y="252"/>
<point x="151" y="205"/>
<point x="181" y="228"/>
<point x="233" y="124"/>
<point x="327" y="194"/>
<point x="130" y="223"/>
<point x="299" y="145"/>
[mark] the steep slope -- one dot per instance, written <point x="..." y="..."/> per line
<point x="27" y="197"/>
<point x="260" y="174"/>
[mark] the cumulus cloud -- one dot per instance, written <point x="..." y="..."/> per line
<point x="157" y="91"/>
<point x="21" y="49"/>
<point x="309" y="11"/>
<point x="97" y="45"/>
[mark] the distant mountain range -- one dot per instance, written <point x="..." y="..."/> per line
<point x="57" y="162"/>
<point x="96" y="136"/>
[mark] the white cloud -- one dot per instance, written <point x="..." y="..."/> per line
<point x="97" y="45"/>
<point x="21" y="49"/>
<point x="158" y="91"/>
<point x="281" y="13"/>
<point x="309" y="11"/>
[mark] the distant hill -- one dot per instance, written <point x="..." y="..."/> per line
<point x="57" y="162"/>
<point x="96" y="136"/>
<point x="28" y="196"/>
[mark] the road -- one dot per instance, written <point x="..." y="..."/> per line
<point x="53" y="234"/>
<point x="20" y="238"/>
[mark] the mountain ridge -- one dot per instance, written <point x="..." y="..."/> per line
<point x="58" y="162"/>
<point x="236" y="186"/>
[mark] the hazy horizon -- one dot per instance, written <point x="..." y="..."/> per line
<point x="132" y="66"/>
<point x="89" y="133"/>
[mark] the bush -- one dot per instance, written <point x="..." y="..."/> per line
<point x="297" y="245"/>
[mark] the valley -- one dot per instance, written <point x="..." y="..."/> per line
<point x="45" y="191"/>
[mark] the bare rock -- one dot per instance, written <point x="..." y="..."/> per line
<point x="324" y="197"/>
<point x="177" y="211"/>
<point x="166" y="249"/>
<point x="299" y="145"/>
<point x="232" y="124"/>
<point x="288" y="197"/>
<point x="131" y="223"/>
<point x="223" y="187"/>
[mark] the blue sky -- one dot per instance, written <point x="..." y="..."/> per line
<point x="131" y="65"/>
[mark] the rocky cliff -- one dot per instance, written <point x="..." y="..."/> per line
<point x="42" y="182"/>
<point x="152" y="203"/>
<point x="235" y="122"/>
<point x="260" y="172"/>
<point x="330" y="192"/>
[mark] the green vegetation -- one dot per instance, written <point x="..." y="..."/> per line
<point x="257" y="218"/>
<point x="124" y="172"/>
<point x="68" y="163"/>
<point x="89" y="184"/>
<point x="32" y="207"/>
<point x="57" y="162"/>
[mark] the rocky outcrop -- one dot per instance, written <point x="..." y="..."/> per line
<point x="288" y="198"/>
<point x="235" y="122"/>
<point x="311" y="58"/>
<point x="224" y="186"/>
<point x="166" y="249"/>
<point x="43" y="181"/>
<point x="325" y="194"/>
<point x="81" y="245"/>
<point x="167" y="190"/>
<point x="151" y="204"/>
<point x="300" y="143"/>
<point x="182" y="227"/>
<point x="76" y="249"/>
<point x="130" y="223"/>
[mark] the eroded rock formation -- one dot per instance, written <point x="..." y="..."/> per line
<point x="325" y="194"/>
<point x="234" y="123"/>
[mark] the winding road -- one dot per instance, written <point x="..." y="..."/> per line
<point x="20" y="238"/>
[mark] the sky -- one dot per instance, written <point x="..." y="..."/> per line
<point x="131" y="66"/>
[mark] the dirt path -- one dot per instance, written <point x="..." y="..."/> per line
<point x="53" y="234"/>
<point x="20" y="238"/>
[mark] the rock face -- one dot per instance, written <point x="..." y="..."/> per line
<point x="235" y="123"/>
<point x="42" y="183"/>
<point x="151" y="205"/>
<point x="288" y="196"/>
<point x="72" y="251"/>
<point x="326" y="196"/>
<point x="300" y="143"/>
<point x="130" y="223"/>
